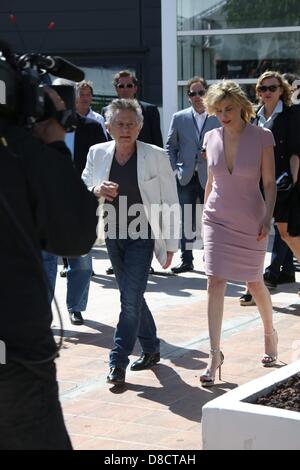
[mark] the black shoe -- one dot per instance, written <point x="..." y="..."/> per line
<point x="116" y="376"/>
<point x="286" y="278"/>
<point x="110" y="270"/>
<point x="146" y="361"/>
<point x="270" y="280"/>
<point x="76" y="318"/>
<point x="246" y="300"/>
<point x="183" y="268"/>
<point x="63" y="272"/>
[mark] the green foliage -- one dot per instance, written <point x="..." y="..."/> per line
<point x="100" y="101"/>
<point x="262" y="13"/>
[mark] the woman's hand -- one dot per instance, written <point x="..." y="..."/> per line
<point x="107" y="189"/>
<point x="264" y="230"/>
<point x="294" y="167"/>
<point x="168" y="262"/>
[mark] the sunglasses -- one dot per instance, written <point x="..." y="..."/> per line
<point x="125" y="85"/>
<point x="271" y="88"/>
<point x="191" y="94"/>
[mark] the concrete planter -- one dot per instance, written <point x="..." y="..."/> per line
<point x="233" y="422"/>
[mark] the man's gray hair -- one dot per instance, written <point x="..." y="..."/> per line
<point x="124" y="105"/>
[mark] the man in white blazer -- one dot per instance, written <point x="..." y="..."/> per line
<point x="184" y="145"/>
<point x="138" y="174"/>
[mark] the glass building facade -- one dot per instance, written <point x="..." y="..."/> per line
<point x="237" y="39"/>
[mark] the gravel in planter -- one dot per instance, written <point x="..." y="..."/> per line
<point x="285" y="396"/>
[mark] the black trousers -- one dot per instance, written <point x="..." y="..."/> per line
<point x="30" y="412"/>
<point x="188" y="196"/>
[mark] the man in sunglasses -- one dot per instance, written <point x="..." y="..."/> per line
<point x="126" y="86"/>
<point x="184" y="145"/>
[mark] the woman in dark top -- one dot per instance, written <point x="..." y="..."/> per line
<point x="278" y="115"/>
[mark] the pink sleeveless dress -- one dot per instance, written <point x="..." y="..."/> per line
<point x="235" y="208"/>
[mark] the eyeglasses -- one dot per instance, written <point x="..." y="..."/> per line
<point x="191" y="94"/>
<point x="271" y="88"/>
<point x="125" y="85"/>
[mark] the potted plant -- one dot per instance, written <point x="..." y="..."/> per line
<point x="236" y="420"/>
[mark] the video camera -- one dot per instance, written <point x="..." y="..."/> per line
<point x="23" y="98"/>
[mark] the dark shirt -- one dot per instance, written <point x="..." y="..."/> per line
<point x="126" y="177"/>
<point x="285" y="129"/>
<point x="150" y="133"/>
<point x="33" y="181"/>
<point x="88" y="133"/>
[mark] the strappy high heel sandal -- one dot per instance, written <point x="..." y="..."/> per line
<point x="216" y="360"/>
<point x="270" y="360"/>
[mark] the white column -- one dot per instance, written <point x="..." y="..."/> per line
<point x="169" y="62"/>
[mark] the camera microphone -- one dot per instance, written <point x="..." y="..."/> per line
<point x="60" y="68"/>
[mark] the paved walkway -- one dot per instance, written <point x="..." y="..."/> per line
<point x="160" y="409"/>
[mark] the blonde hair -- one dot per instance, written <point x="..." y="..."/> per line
<point x="228" y="89"/>
<point x="286" y="89"/>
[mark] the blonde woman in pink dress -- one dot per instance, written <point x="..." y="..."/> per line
<point x="236" y="218"/>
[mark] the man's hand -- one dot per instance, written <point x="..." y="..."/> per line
<point x="107" y="189"/>
<point x="50" y="131"/>
<point x="168" y="262"/>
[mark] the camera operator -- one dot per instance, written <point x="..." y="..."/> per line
<point x="37" y="213"/>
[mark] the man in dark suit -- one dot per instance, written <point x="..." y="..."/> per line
<point x="88" y="132"/>
<point x="126" y="86"/>
<point x="85" y="133"/>
<point x="79" y="271"/>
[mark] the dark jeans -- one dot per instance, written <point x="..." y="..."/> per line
<point x="282" y="257"/>
<point x="131" y="261"/>
<point x="30" y="412"/>
<point x="188" y="195"/>
<point x="79" y="273"/>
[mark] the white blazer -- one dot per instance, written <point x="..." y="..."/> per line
<point x="157" y="186"/>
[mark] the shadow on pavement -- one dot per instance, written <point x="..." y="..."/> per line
<point x="189" y="359"/>
<point x="173" y="285"/>
<point x="181" y="398"/>
<point x="291" y="310"/>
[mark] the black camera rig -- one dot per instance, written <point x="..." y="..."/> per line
<point x="23" y="98"/>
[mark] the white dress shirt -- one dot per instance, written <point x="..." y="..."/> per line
<point x="70" y="142"/>
<point x="262" y="121"/>
<point x="200" y="119"/>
